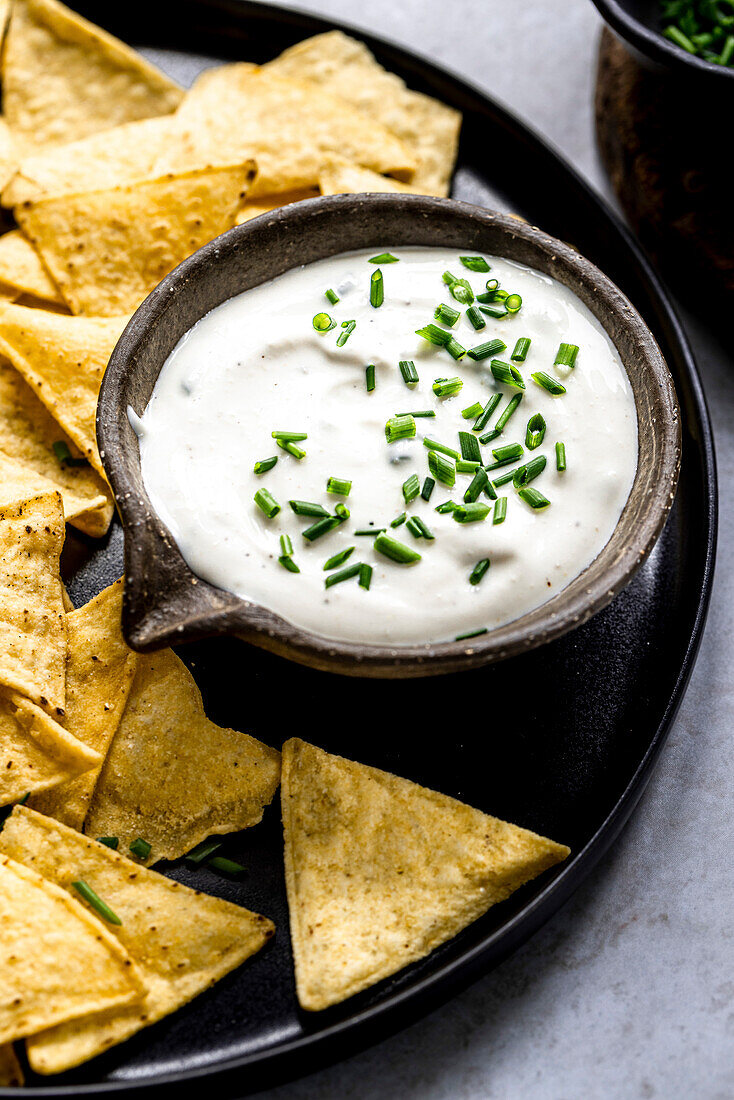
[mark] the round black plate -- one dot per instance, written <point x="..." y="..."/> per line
<point x="561" y="741"/>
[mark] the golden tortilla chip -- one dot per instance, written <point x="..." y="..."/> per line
<point x="171" y="775"/>
<point x="339" y="177"/>
<point x="107" y="250"/>
<point x="32" y="619"/>
<point x="346" y="70"/>
<point x="183" y="941"/>
<point x="58" y="961"/>
<point x="9" y="156"/>
<point x="253" y="208"/>
<point x="21" y="269"/>
<point x="64" y="78"/>
<point x="99" y="674"/>
<point x="380" y="871"/>
<point x="11" y="1074"/>
<point x="63" y="359"/>
<point x="35" y="752"/>
<point x="289" y="127"/>
<point x="27" y="435"/>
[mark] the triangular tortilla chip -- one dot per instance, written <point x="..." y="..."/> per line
<point x="171" y="775"/>
<point x="35" y="752"/>
<point x="380" y="871"/>
<point x="346" y="70"/>
<point x="183" y="941"/>
<point x="58" y="961"/>
<point x="27" y="435"/>
<point x="11" y="1074"/>
<point x="339" y="177"/>
<point x="99" y="673"/>
<point x="32" y="619"/>
<point x="289" y="127"/>
<point x="64" y="78"/>
<point x="21" y="269"/>
<point x="63" y="359"/>
<point x="253" y="208"/>
<point x="107" y="250"/>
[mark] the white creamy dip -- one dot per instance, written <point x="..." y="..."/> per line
<point x="255" y="365"/>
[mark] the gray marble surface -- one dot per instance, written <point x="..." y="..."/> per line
<point x="629" y="991"/>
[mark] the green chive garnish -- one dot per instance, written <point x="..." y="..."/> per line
<point x="473" y="512"/>
<point x="265" y="464"/>
<point x="469" y="447"/>
<point x="566" y="355"/>
<point x="508" y="453"/>
<point x="503" y="479"/>
<point x="491" y="291"/>
<point x="343" y="575"/>
<point x="442" y="468"/>
<point x="447" y="387"/>
<point x="532" y="497"/>
<point x="226" y="866"/>
<point x="477" y="484"/>
<point x="349" y="327"/>
<point x="332" y="296"/>
<point x="109" y="842"/>
<point x="560" y="456"/>
<point x="384" y="258"/>
<point x="339" y="486"/>
<point x="454" y="348"/>
<point x="140" y="848"/>
<point x="408" y="371"/>
<point x="365" y="575"/>
<point x="475" y="318"/>
<point x="428" y="486"/>
<point x="494" y="309"/>
<point x="320" y="527"/>
<point x="203" y="851"/>
<point x="370" y="531"/>
<point x="483" y="418"/>
<point x="420" y="414"/>
<point x="489" y="491"/>
<point x="342" y="511"/>
<point x="396" y="551"/>
<point x="470" y="634"/>
<point x="267" y="503"/>
<point x="475" y="263"/>
<point x="675" y="34"/>
<point x="400" y="427"/>
<point x="286" y="546"/>
<point x="411" y="488"/>
<point x="478" y="571"/>
<point x="434" y="335"/>
<point x="291" y="448"/>
<point x="522" y="347"/>
<point x="377" y="289"/>
<point x="459" y="289"/>
<point x="85" y="891"/>
<point x="64" y="455"/>
<point x="527" y="473"/>
<point x="513" y="303"/>
<point x="447" y="315"/>
<point x="307" y="508"/>
<point x="434" y="445"/>
<point x="489" y="436"/>
<point x="500" y="510"/>
<point x="507" y="373"/>
<point x="338" y="559"/>
<point x="425" y="531"/>
<point x="369" y="374"/>
<point x="547" y="383"/>
<point x="289" y="437"/>
<point x="471" y="412"/>
<point x="463" y="466"/>
<point x="535" y="432"/>
<point x="447" y="506"/>
<point x="322" y="322"/>
<point x="288" y="563"/>
<point x="399" y="519"/>
<point x="484" y="351"/>
<point x="507" y="412"/>
<point x="413" y="527"/>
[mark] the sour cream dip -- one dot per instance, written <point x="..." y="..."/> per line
<point x="265" y="362"/>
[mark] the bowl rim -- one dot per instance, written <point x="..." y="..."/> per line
<point x="166" y="603"/>
<point x="655" y="46"/>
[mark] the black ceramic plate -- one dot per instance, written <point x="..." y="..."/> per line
<point x="561" y="740"/>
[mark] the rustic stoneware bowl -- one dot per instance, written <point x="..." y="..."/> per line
<point x="166" y="603"/>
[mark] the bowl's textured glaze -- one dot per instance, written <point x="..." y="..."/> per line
<point x="166" y="603"/>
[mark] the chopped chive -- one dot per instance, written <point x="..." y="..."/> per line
<point x="288" y="563"/>
<point x="291" y="448"/>
<point x="479" y="571"/>
<point x="459" y="289"/>
<point x="322" y="322"/>
<point x="338" y="559"/>
<point x="396" y="551"/>
<point x="491" y="292"/>
<point x="343" y="575"/>
<point x="434" y="335"/>
<point x="307" y="508"/>
<point x="513" y="303"/>
<point x="369" y="374"/>
<point x="377" y="289"/>
<point x="507" y="412"/>
<point x="675" y="34"/>
<point x="226" y="866"/>
<point x="400" y="427"/>
<point x="477" y="484"/>
<point x="442" y="468"/>
<point x="500" y="510"/>
<point x="527" y="473"/>
<point x="265" y="464"/>
<point x="342" y="511"/>
<point x="434" y="445"/>
<point x="483" y="419"/>
<point x="384" y="258"/>
<point x="421" y="414"/>
<point x="475" y="318"/>
<point x="414" y="527"/>
<point x="464" y="466"/>
<point x="447" y="387"/>
<point x="267" y="503"/>
<point x="508" y="453"/>
<point x="470" y="634"/>
<point x="203" y="851"/>
<point x="522" y="347"/>
<point x="469" y="447"/>
<point x="109" y="842"/>
<point x="447" y="506"/>
<point x="85" y="891"/>
<point x="365" y="575"/>
<point x="494" y="309"/>
<point x="547" y="383"/>
<point x="289" y="437"/>
<point x="447" y="315"/>
<point x="473" y="512"/>
<point x="483" y="351"/>
<point x="411" y="488"/>
<point x="535" y="431"/>
<point x="64" y="456"/>
<point x="286" y="546"/>
<point x="454" y="348"/>
<point x="425" y="531"/>
<point x="320" y="527"/>
<point x="475" y="263"/>
<point x="532" y="497"/>
<point x="339" y="486"/>
<point x="428" y="486"/>
<point x="408" y="371"/>
<point x="370" y="531"/>
<point x="566" y="355"/>
<point x="332" y="296"/>
<point x="489" y="491"/>
<point x="560" y="456"/>
<point x="399" y="519"/>
<point x="471" y="412"/>
<point x="728" y="51"/>
<point x="507" y="373"/>
<point x="140" y="848"/>
<point x="503" y="479"/>
<point x="489" y="436"/>
<point x="349" y="327"/>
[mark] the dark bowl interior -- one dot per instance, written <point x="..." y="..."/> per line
<point x="165" y="603"/>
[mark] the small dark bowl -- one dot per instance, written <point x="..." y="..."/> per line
<point x="639" y="23"/>
<point x="166" y="603"/>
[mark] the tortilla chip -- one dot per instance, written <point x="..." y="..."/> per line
<point x="183" y="941"/>
<point x="339" y="177"/>
<point x="64" y="78"/>
<point x="63" y="359"/>
<point x="108" y="249"/>
<point x="171" y="775"/>
<point x="27" y="434"/>
<point x="346" y="70"/>
<point x="288" y="127"/>
<point x="58" y="961"/>
<point x="11" y="1074"/>
<point x="99" y="674"/>
<point x="9" y="155"/>
<point x="253" y="208"/>
<point x="32" y="619"/>
<point x="380" y="871"/>
<point x="35" y="752"/>
<point x="21" y="269"/>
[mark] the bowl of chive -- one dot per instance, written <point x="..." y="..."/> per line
<point x="165" y="602"/>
